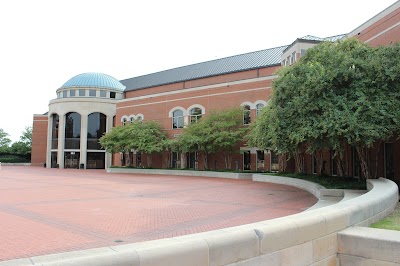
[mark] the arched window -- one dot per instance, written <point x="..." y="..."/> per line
<point x="54" y="131"/>
<point x="124" y="120"/>
<point x="131" y="119"/>
<point x="72" y="130"/>
<point x="139" y="118"/>
<point x="246" y="115"/>
<point x="195" y="115"/>
<point x="96" y="129"/>
<point x="177" y="119"/>
<point x="259" y="107"/>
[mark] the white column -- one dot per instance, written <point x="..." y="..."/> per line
<point x="61" y="140"/>
<point x="49" y="140"/>
<point x="108" y="156"/>
<point x="83" y="150"/>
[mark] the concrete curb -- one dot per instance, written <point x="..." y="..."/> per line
<point x="180" y="173"/>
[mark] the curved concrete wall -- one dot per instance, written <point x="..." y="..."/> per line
<point x="312" y="234"/>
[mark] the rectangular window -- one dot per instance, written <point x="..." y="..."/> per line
<point x="303" y="52"/>
<point x="314" y="163"/>
<point x="112" y="95"/>
<point x="103" y="93"/>
<point x="177" y="122"/>
<point x="65" y="94"/>
<point x="72" y="93"/>
<point x="274" y="162"/>
<point x="293" y="57"/>
<point x="284" y="62"/>
<point x="82" y="93"/>
<point x="288" y="59"/>
<point x="92" y="93"/>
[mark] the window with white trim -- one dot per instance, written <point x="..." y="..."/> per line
<point x="124" y="120"/>
<point x="195" y="115"/>
<point x="131" y="119"/>
<point x="177" y="119"/>
<point x="259" y="107"/>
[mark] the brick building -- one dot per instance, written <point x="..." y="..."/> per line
<point x="92" y="103"/>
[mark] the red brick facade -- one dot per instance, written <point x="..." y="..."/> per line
<point x="39" y="140"/>
<point x="228" y="90"/>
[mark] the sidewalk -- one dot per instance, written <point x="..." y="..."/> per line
<point x="45" y="211"/>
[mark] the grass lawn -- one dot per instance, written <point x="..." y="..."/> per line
<point x="392" y="222"/>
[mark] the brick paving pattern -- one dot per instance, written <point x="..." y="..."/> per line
<point x="44" y="211"/>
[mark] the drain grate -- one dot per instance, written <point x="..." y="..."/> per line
<point x="118" y="241"/>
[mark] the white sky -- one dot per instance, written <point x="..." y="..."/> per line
<point x="43" y="43"/>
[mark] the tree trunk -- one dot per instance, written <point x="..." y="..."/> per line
<point x="299" y="161"/>
<point x="183" y="160"/>
<point x="205" y="160"/>
<point x="282" y="161"/>
<point x="363" y="154"/>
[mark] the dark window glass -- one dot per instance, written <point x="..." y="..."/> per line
<point x="95" y="160"/>
<point x="103" y="93"/>
<point x="96" y="129"/>
<point x="112" y="95"/>
<point x="72" y="93"/>
<point x="65" y="94"/>
<point x="72" y="130"/>
<point x="54" y="159"/>
<point x="246" y="115"/>
<point x="54" y="131"/>
<point x="92" y="93"/>
<point x="82" y="93"/>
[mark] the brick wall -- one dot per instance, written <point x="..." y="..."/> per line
<point x="39" y="140"/>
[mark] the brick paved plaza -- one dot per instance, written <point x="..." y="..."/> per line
<point x="45" y="211"/>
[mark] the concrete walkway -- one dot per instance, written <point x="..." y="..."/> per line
<point x="45" y="211"/>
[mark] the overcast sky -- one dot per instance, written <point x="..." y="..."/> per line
<point x="44" y="43"/>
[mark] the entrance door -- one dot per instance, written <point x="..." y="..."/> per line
<point x="191" y="160"/>
<point x="175" y="161"/>
<point x="71" y="160"/>
<point x="246" y="160"/>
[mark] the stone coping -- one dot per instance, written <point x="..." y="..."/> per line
<point x="15" y="164"/>
<point x="245" y="244"/>
<point x="180" y="173"/>
<point x="369" y="246"/>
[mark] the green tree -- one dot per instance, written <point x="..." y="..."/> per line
<point x="24" y="145"/>
<point x="217" y="132"/>
<point x="149" y="139"/>
<point x="4" y="141"/>
<point x="145" y="137"/>
<point x="337" y="94"/>
<point x="227" y="131"/>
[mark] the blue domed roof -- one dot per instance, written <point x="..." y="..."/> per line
<point x="93" y="80"/>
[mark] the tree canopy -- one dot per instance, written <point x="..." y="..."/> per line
<point x="219" y="131"/>
<point x="146" y="137"/>
<point x="4" y="141"/>
<point x="338" y="93"/>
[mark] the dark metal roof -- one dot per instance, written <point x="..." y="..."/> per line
<point x="237" y="63"/>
